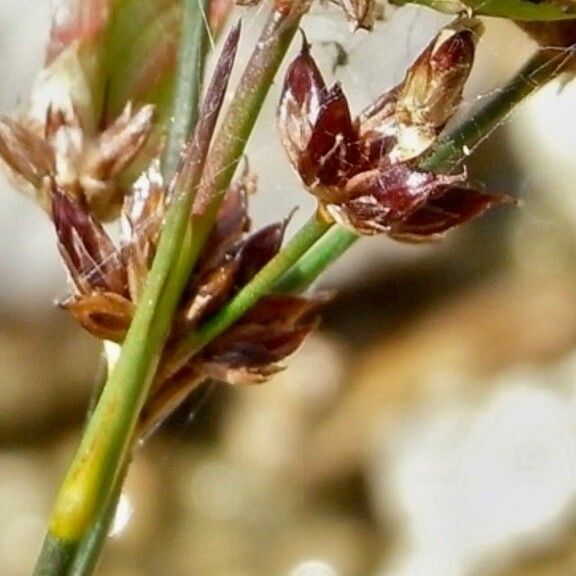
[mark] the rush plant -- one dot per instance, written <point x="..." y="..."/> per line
<point x="116" y="129"/>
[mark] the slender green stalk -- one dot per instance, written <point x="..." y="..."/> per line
<point x="88" y="551"/>
<point x="193" y="49"/>
<point x="328" y="249"/>
<point x="188" y="85"/>
<point x="253" y="87"/>
<point x="95" y="475"/>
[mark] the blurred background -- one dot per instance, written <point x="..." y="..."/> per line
<point x="427" y="429"/>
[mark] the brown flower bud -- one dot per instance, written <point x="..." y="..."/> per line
<point x="93" y="262"/>
<point x="316" y="127"/>
<point x="432" y="89"/>
<point x="105" y="315"/>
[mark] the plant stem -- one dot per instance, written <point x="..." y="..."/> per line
<point x="253" y="87"/>
<point x="188" y="84"/>
<point x="95" y="475"/>
<point x="543" y="67"/>
<point x="193" y="49"/>
<point x="329" y="248"/>
<point x="88" y="551"/>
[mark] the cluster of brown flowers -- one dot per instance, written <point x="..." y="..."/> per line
<point x="364" y="171"/>
<point x="75" y="173"/>
<point x="108" y="281"/>
<point x="62" y="150"/>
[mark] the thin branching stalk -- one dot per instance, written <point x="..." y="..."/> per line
<point x="253" y="87"/>
<point x="92" y="479"/>
<point x="326" y="250"/>
<point x="194" y="45"/>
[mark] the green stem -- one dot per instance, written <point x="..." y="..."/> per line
<point x="261" y="285"/>
<point x="328" y="249"/>
<point x="87" y="497"/>
<point x="253" y="87"/>
<point x="90" y="547"/>
<point x="193" y="49"/>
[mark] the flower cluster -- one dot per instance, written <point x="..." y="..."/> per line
<point x="90" y="124"/>
<point x="107" y="283"/>
<point x="61" y="149"/>
<point x="364" y="171"/>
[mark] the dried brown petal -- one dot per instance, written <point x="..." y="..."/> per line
<point x="381" y="197"/>
<point x="142" y="216"/>
<point x="212" y="290"/>
<point x="250" y="350"/>
<point x="90" y="256"/>
<point x="28" y="155"/>
<point x="331" y="152"/>
<point x="106" y="315"/>
<point x="258" y="250"/>
<point x="119" y="144"/>
<point x="231" y="222"/>
<point x="302" y="96"/>
<point x="316" y="127"/>
<point x="144" y="207"/>
<point x="234" y="270"/>
<point x="241" y="375"/>
<point x="166" y="399"/>
<point x="451" y="206"/>
<point x="378" y="128"/>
